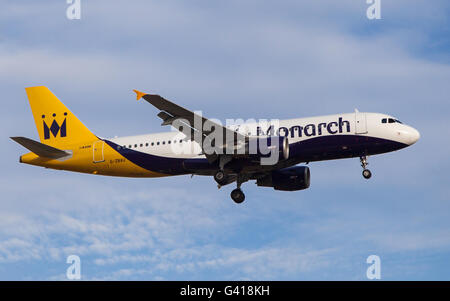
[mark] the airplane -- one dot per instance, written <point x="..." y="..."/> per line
<point x="66" y="144"/>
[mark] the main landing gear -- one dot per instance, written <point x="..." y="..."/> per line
<point x="220" y="177"/>
<point x="237" y="195"/>
<point x="366" y="173"/>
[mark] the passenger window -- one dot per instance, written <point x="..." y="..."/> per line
<point x="129" y="146"/>
<point x="157" y="143"/>
<point x="164" y="142"/>
<point x="146" y="144"/>
<point x="153" y="143"/>
<point x="142" y="145"/>
<point x="169" y="142"/>
<point x="181" y="140"/>
<point x="135" y="145"/>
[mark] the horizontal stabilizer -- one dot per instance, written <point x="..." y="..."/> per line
<point x="40" y="149"/>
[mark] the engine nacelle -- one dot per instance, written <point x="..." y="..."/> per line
<point x="287" y="179"/>
<point x="264" y="147"/>
<point x="269" y="150"/>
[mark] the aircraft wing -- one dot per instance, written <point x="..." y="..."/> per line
<point x="200" y="126"/>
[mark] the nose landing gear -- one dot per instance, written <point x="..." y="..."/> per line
<point x="367" y="174"/>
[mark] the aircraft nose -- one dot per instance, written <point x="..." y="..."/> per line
<point x="414" y="135"/>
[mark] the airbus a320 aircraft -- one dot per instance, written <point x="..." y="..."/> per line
<point x="66" y="144"/>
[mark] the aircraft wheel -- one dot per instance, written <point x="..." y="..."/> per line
<point x="220" y="177"/>
<point x="366" y="174"/>
<point x="237" y="195"/>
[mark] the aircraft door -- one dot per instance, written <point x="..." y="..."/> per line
<point x="360" y="123"/>
<point x="97" y="149"/>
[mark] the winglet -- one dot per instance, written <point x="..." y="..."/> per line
<point x="139" y="94"/>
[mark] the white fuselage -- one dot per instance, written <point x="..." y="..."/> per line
<point x="171" y="144"/>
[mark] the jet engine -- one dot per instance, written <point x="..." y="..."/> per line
<point x="287" y="179"/>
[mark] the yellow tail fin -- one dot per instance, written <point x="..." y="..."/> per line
<point x="56" y="125"/>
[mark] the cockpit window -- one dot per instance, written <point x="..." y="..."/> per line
<point x="390" y="120"/>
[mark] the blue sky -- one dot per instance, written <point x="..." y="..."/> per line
<point x="230" y="59"/>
